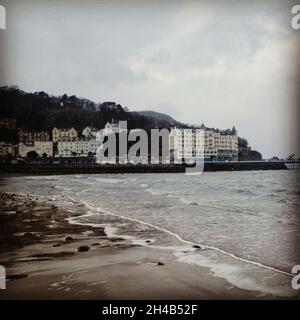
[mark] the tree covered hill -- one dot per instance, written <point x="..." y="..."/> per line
<point x="39" y="111"/>
<point x="160" y="118"/>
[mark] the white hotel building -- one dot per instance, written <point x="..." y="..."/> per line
<point x="81" y="148"/>
<point x="40" y="147"/>
<point x="200" y="143"/>
<point x="89" y="145"/>
<point x="187" y="143"/>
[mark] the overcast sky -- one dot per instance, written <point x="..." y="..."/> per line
<point x="219" y="62"/>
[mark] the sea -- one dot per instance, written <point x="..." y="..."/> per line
<point x="243" y="227"/>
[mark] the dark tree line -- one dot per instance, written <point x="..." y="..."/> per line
<point x="39" y="111"/>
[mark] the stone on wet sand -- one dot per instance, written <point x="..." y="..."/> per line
<point x="28" y="235"/>
<point x="57" y="245"/>
<point x="83" y="248"/>
<point x="16" y="276"/>
<point x="96" y="244"/>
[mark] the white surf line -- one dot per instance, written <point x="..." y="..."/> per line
<point x="83" y="191"/>
<point x="258" y="264"/>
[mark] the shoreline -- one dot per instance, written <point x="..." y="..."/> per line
<point x="40" y="250"/>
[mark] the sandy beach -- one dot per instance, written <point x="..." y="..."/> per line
<point x="46" y="257"/>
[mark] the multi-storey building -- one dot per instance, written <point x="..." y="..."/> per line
<point x="89" y="133"/>
<point x="228" y="146"/>
<point x="28" y="138"/>
<point x="64" y="134"/>
<point x="112" y="127"/>
<point x="69" y="146"/>
<point x="6" y="149"/>
<point x="187" y="143"/>
<point x="200" y="143"/>
<point x="42" y="148"/>
<point x="81" y="148"/>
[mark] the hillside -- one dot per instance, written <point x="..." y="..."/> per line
<point x="41" y="111"/>
<point x="160" y="118"/>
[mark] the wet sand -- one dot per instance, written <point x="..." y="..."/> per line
<point x="46" y="257"/>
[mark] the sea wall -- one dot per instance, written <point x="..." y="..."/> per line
<point x="77" y="168"/>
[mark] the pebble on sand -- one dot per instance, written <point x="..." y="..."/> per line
<point x="28" y="235"/>
<point x="83" y="248"/>
<point x="57" y="245"/>
<point x="16" y="276"/>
